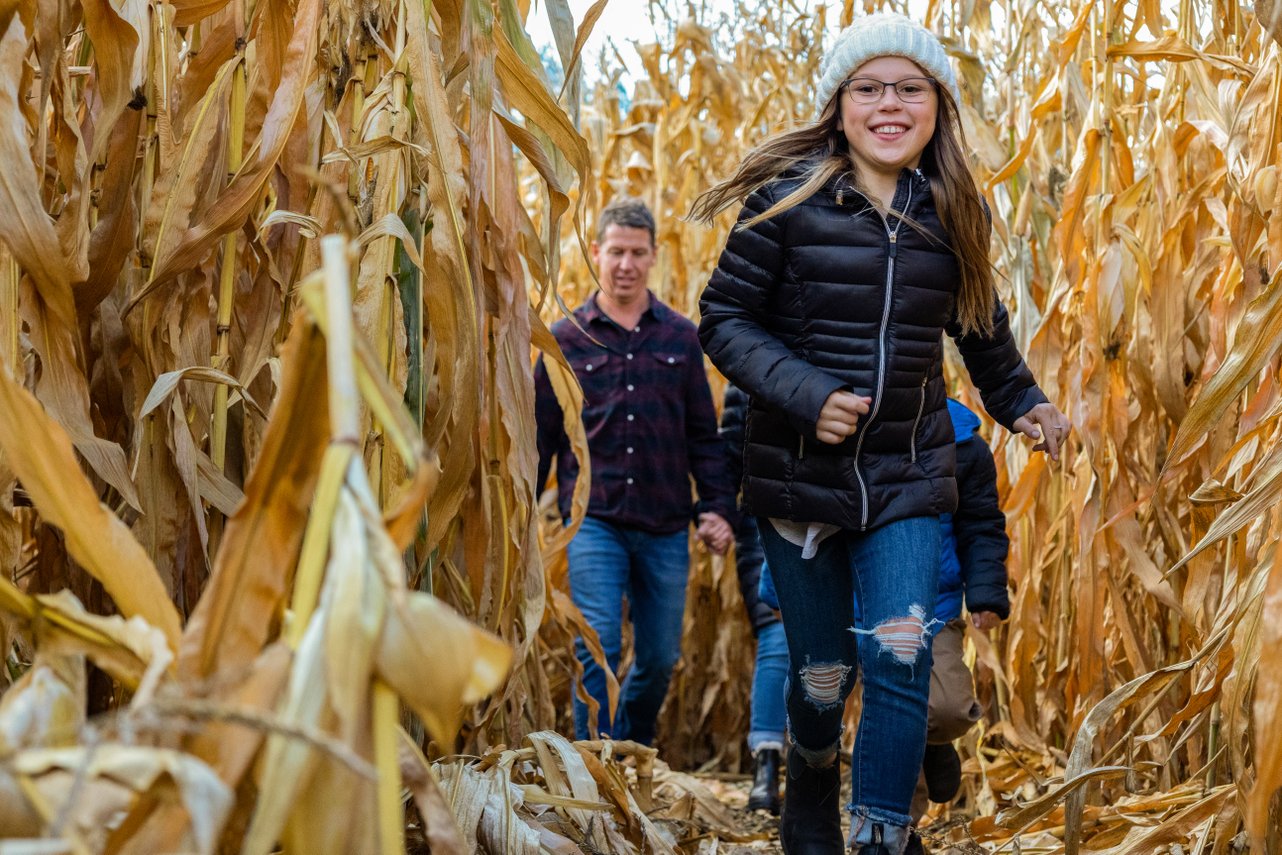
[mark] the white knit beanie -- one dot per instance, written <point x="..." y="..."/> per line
<point x="883" y="34"/>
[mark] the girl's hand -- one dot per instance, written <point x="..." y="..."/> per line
<point x="1047" y="423"/>
<point x="840" y="416"/>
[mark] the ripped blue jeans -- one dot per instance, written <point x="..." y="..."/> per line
<point x="894" y="572"/>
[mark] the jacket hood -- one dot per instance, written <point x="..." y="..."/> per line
<point x="965" y="422"/>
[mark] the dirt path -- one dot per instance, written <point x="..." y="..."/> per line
<point x="732" y="792"/>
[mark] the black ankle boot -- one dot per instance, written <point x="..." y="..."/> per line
<point x="811" y="823"/>
<point x="765" y="781"/>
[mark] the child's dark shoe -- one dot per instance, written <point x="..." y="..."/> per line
<point x="942" y="769"/>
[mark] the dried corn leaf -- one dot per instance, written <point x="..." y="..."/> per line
<point x="25" y="226"/>
<point x="234" y="619"/>
<point x="45" y="707"/>
<point x="1267" y="708"/>
<point x="437" y="660"/>
<point x="40" y="453"/>
<point x="57" y="774"/>
<point x="1254" y="345"/>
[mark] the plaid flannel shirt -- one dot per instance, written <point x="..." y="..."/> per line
<point x="649" y="417"/>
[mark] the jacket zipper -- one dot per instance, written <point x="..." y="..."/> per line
<point x="893" y="235"/>
<point x="921" y="408"/>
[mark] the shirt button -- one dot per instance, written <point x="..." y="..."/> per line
<point x="629" y="449"/>
<point x="629" y="480"/>
<point x="629" y="356"/>
<point x="631" y="387"/>
<point x="587" y="367"/>
<point x="671" y="360"/>
<point x="637" y="328"/>
<point x="631" y="417"/>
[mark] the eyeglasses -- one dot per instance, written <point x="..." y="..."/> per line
<point x="910" y="90"/>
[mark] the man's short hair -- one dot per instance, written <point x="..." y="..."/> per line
<point x="628" y="212"/>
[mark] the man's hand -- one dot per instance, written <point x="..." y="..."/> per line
<point x="840" y="416"/>
<point x="984" y="621"/>
<point x="1047" y="423"/>
<point x="715" y="532"/>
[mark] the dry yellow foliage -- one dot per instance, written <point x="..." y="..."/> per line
<point x="243" y="469"/>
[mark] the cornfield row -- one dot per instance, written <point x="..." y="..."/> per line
<point x="1131" y="155"/>
<point x="243" y="468"/>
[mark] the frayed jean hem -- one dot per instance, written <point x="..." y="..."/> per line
<point x="875" y="825"/>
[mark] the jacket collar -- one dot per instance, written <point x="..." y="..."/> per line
<point x="592" y="313"/>
<point x="844" y="184"/>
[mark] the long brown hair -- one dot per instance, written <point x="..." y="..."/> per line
<point x="818" y="153"/>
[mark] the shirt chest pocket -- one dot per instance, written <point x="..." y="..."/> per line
<point x="666" y="370"/>
<point x="594" y="369"/>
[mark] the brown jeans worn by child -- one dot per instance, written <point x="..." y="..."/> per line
<point x="953" y="708"/>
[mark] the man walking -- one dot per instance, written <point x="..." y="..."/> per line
<point x="650" y="427"/>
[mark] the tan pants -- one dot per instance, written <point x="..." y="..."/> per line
<point x="953" y="708"/>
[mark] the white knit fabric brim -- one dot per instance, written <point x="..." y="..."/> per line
<point x="883" y="34"/>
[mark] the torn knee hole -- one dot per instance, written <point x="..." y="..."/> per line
<point x="823" y="683"/>
<point x="904" y="637"/>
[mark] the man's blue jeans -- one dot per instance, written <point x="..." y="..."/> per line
<point x="607" y="563"/>
<point x="767" y="722"/>
<point x="894" y="571"/>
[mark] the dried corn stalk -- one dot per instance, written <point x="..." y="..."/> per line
<point x="174" y="446"/>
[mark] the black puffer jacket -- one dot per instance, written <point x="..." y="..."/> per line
<point x="829" y="295"/>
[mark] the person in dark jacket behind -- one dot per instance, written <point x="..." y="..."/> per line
<point x="766" y="730"/>
<point x="862" y="239"/>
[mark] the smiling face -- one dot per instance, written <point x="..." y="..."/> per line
<point x="887" y="135"/>
<point x="624" y="256"/>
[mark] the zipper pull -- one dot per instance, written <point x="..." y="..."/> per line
<point x="894" y="243"/>
<point x="801" y="447"/>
